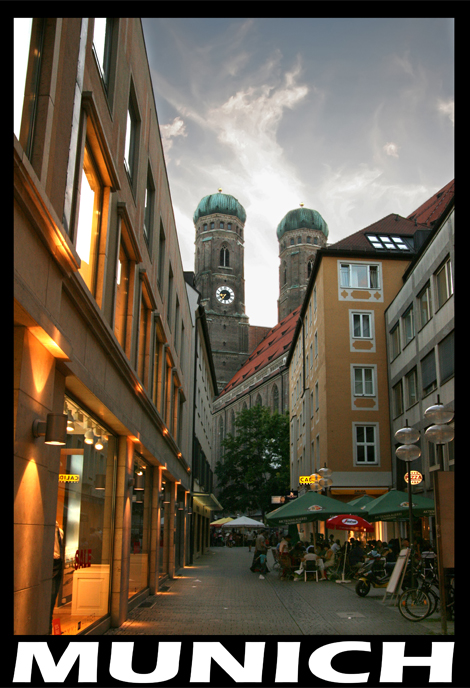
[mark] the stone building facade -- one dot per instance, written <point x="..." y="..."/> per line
<point x="219" y="220"/>
<point x="102" y="333"/>
<point x="300" y="233"/>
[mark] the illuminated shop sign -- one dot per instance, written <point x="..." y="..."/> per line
<point x="68" y="478"/>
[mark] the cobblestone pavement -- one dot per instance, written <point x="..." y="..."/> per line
<point x="219" y="595"/>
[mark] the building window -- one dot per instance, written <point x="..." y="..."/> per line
<point x="169" y="298"/>
<point x="140" y="527"/>
<point x="28" y="50"/>
<point x="143" y="337"/>
<point x="212" y="225"/>
<point x="395" y="342"/>
<point x="397" y="399"/>
<point x="364" y="382"/>
<point x="444" y="283"/>
<point x="425" y="305"/>
<point x="224" y="257"/>
<point x="409" y="325"/>
<point x="161" y="256"/>
<point x="221" y="225"/>
<point x="315" y="343"/>
<point x="365" y="445"/>
<point x="361" y="323"/>
<point x="359" y="276"/>
<point x="132" y="138"/>
<point x="446" y="358"/>
<point x="122" y="296"/>
<point x="275" y="399"/>
<point x="85" y="493"/>
<point x="149" y="204"/>
<point x="428" y="373"/>
<point x="102" y="40"/>
<point x="317" y="397"/>
<point x="411" y="388"/>
<point x="89" y="219"/>
<point x="204" y="228"/>
<point x="158" y="368"/>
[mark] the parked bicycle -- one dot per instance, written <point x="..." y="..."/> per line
<point x="420" y="602"/>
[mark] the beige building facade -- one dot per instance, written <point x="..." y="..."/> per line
<point x="339" y="404"/>
<point x="102" y="332"/>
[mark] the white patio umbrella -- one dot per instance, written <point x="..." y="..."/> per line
<point x="244" y="522"/>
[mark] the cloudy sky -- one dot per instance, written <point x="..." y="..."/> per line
<point x="352" y="117"/>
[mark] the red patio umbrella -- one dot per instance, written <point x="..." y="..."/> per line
<point x="348" y="522"/>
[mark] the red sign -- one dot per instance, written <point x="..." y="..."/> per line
<point x="82" y="559"/>
<point x="56" y="630"/>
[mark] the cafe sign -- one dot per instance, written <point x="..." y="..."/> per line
<point x="416" y="477"/>
<point x="68" y="478"/>
<point x="309" y="479"/>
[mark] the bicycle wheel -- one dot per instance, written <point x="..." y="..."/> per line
<point x="415" y="604"/>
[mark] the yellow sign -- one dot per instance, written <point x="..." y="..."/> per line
<point x="309" y="479"/>
<point x="68" y="478"/>
<point x="416" y="477"/>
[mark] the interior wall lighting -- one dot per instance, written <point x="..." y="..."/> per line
<point x="100" y="442"/>
<point x="139" y="483"/>
<point x="89" y="437"/>
<point x="54" y="429"/>
<point x="70" y="423"/>
<point x="100" y="481"/>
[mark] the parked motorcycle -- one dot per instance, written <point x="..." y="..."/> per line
<point x="372" y="574"/>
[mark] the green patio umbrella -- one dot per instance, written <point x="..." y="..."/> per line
<point x="393" y="506"/>
<point x="361" y="502"/>
<point x="311" y="506"/>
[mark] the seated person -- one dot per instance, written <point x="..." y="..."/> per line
<point x="329" y="558"/>
<point x="356" y="556"/>
<point x="311" y="556"/>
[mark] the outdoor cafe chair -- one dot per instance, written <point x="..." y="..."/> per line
<point x="310" y="567"/>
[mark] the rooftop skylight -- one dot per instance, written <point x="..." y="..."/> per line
<point x="386" y="242"/>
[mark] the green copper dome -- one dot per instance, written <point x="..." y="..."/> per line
<point x="219" y="203"/>
<point x="299" y="218"/>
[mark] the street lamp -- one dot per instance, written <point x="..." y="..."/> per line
<point x="439" y="434"/>
<point x="408" y="452"/>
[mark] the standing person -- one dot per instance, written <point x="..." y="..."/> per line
<point x="251" y="539"/>
<point x="260" y="548"/>
<point x="57" y="569"/>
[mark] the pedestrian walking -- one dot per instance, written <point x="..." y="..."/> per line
<point x="260" y="548"/>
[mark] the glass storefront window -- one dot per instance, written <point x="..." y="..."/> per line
<point x="84" y="524"/>
<point x="140" y="527"/>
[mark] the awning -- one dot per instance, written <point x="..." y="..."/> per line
<point x="207" y="499"/>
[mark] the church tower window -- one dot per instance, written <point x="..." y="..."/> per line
<point x="224" y="257"/>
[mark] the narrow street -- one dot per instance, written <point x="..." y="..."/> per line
<point x="219" y="595"/>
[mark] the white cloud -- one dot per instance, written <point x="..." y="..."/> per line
<point x="170" y="131"/>
<point x="391" y="149"/>
<point x="447" y="108"/>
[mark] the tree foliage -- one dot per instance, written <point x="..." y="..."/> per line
<point x="255" y="461"/>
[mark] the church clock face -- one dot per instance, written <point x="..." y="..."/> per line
<point x="225" y="295"/>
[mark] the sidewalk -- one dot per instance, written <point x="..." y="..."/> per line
<point x="219" y="595"/>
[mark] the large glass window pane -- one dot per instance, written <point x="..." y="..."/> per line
<point x="21" y="40"/>
<point x="81" y="584"/>
<point x="89" y="219"/>
<point x="140" y="527"/>
<point x="122" y="293"/>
